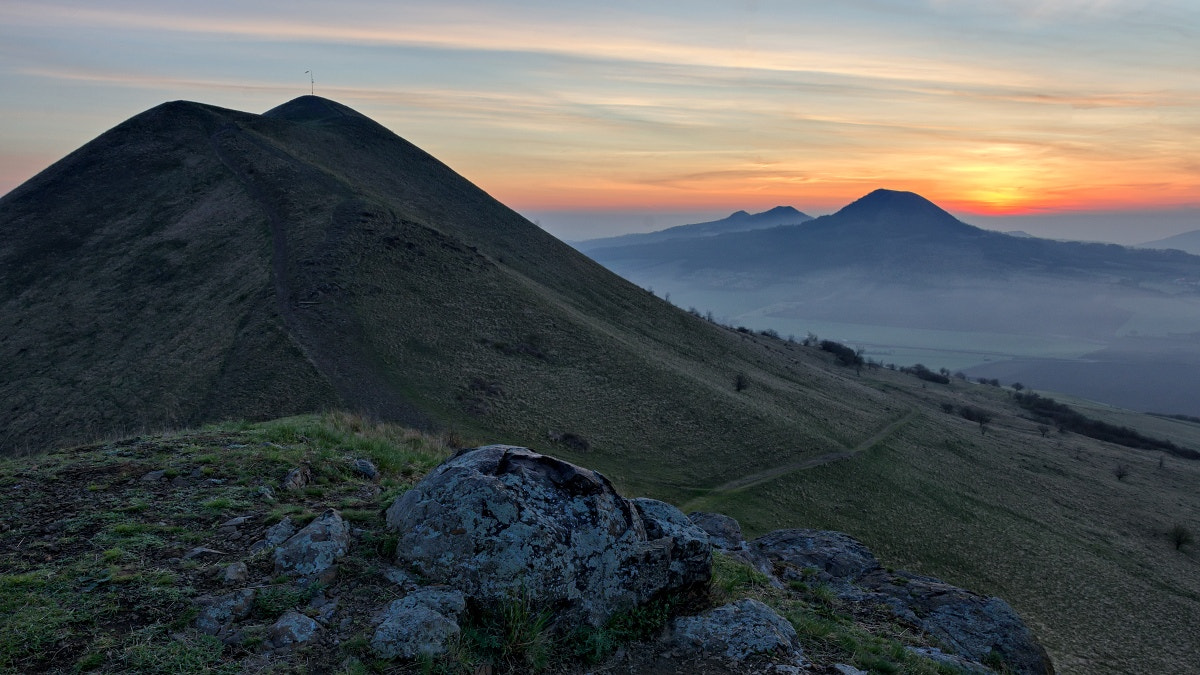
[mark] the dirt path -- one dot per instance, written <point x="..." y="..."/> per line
<point x="777" y="471"/>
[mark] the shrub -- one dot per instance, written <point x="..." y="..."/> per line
<point x="1048" y="411"/>
<point x="977" y="415"/>
<point x="923" y="373"/>
<point x="845" y="355"/>
<point x="1180" y="536"/>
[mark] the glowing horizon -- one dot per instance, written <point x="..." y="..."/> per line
<point x="1016" y="108"/>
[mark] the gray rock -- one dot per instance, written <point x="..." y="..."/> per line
<point x="723" y="531"/>
<point x="422" y="623"/>
<point x="280" y="532"/>
<point x="365" y="468"/>
<point x="154" y="476"/>
<point x="235" y="573"/>
<point x="314" y="549"/>
<point x="738" y="631"/>
<point x="690" y="554"/>
<point x="978" y="628"/>
<point x="293" y="628"/>
<point x="956" y="662"/>
<point x="838" y="556"/>
<point x="399" y="577"/>
<point x="201" y="551"/>
<point x="296" y="478"/>
<point x="217" y="613"/>
<point x="501" y="521"/>
<point x="974" y="626"/>
<point x="847" y="669"/>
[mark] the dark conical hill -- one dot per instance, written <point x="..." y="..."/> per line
<point x="195" y="263"/>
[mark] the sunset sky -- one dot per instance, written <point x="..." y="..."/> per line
<point x="596" y="118"/>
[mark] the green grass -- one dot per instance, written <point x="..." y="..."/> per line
<point x="109" y="591"/>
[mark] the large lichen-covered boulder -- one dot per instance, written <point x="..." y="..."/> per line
<point x="503" y="523"/>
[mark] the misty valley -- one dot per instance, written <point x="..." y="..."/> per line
<point x="908" y="285"/>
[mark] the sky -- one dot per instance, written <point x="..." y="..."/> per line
<point x="1065" y="118"/>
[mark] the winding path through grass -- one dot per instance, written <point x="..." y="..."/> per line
<point x="760" y="477"/>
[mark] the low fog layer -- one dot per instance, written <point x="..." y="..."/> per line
<point x="896" y="275"/>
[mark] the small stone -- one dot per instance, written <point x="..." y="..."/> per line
<point x="235" y="573"/>
<point x="297" y="478"/>
<point x="737" y="631"/>
<point x="217" y="613"/>
<point x="723" y="531"/>
<point x="292" y="628"/>
<point x="422" y="623"/>
<point x="399" y="577"/>
<point x="280" y="532"/>
<point x="365" y="468"/>
<point x="311" y="552"/>
<point x="199" y="551"/>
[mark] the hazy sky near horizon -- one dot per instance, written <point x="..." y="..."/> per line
<point x="596" y="118"/>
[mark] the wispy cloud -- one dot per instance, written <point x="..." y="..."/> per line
<point x="1017" y="103"/>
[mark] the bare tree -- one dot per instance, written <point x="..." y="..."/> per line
<point x="740" y="382"/>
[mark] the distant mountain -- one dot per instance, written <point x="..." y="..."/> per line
<point x="739" y="221"/>
<point x="888" y="233"/>
<point x="1187" y="241"/>
<point x="892" y="266"/>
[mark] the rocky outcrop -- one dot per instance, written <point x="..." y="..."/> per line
<point x="980" y="629"/>
<point x="501" y="522"/>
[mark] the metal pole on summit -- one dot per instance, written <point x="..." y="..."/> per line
<point x="311" y="87"/>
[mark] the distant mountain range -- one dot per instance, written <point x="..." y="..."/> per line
<point x="740" y="221"/>
<point x="892" y="266"/>
<point x="1187" y="241"/>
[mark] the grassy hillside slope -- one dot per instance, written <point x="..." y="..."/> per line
<point x="197" y="263"/>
